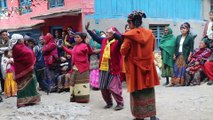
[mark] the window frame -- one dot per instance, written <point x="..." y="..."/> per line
<point x="56" y="4"/>
<point x="25" y="3"/>
<point x="158" y="31"/>
<point x="4" y="5"/>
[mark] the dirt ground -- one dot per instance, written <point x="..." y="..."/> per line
<point x="173" y="103"/>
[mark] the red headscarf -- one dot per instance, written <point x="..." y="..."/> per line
<point x="49" y="50"/>
<point x="48" y="38"/>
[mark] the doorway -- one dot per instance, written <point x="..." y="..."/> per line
<point x="53" y="29"/>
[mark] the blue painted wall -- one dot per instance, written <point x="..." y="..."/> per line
<point x="169" y="9"/>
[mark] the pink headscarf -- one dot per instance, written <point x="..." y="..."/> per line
<point x="113" y="30"/>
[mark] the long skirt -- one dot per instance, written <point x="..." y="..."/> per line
<point x="105" y="79"/>
<point x="79" y="87"/>
<point x="10" y="86"/>
<point x="27" y="93"/>
<point x="179" y="71"/>
<point x="94" y="78"/>
<point x="208" y="68"/>
<point x="167" y="71"/>
<point x="142" y="103"/>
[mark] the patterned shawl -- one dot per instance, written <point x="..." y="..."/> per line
<point x="24" y="60"/>
<point x="200" y="55"/>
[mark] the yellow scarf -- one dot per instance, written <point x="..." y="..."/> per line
<point x="65" y="41"/>
<point x="106" y="56"/>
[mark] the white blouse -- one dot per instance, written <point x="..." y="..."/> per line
<point x="209" y="31"/>
<point x="181" y="44"/>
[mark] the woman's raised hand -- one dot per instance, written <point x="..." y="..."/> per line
<point x="87" y="25"/>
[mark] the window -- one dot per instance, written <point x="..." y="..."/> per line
<point x="34" y="33"/>
<point x="56" y="3"/>
<point x="3" y="7"/>
<point x="25" y="6"/>
<point x="54" y="28"/>
<point x="158" y="31"/>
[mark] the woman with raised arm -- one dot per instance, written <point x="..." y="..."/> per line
<point x="110" y="67"/>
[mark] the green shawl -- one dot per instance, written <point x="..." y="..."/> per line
<point x="93" y="43"/>
<point x="167" y="46"/>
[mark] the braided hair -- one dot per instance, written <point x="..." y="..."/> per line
<point x="136" y="17"/>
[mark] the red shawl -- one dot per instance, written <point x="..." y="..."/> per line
<point x="49" y="50"/>
<point x="200" y="55"/>
<point x="24" y="60"/>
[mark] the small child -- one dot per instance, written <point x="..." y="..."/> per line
<point x="63" y="81"/>
<point x="158" y="63"/>
<point x="10" y="86"/>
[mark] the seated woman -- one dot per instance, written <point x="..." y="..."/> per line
<point x="63" y="83"/>
<point x="209" y="64"/>
<point x="196" y="64"/>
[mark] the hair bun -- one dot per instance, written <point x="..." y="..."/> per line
<point x="137" y="14"/>
<point x="136" y="17"/>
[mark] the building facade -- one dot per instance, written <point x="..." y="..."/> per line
<point x="41" y="16"/>
<point x="38" y="17"/>
<point x="160" y="13"/>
